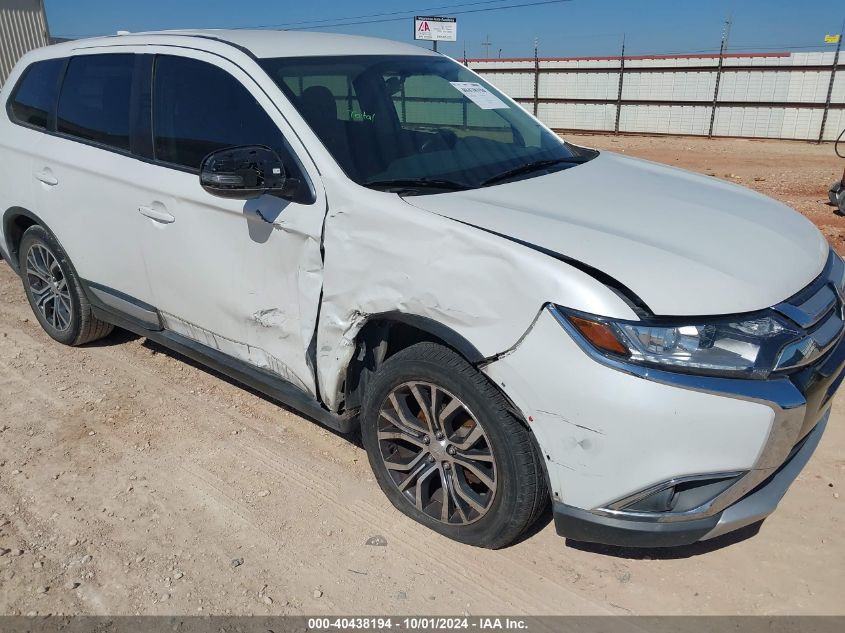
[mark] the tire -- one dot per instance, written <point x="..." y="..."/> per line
<point x="54" y="292"/>
<point x="484" y="458"/>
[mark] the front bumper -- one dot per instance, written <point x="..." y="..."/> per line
<point x="611" y="435"/>
<point x="582" y="525"/>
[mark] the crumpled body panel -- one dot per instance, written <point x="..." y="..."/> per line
<point x="383" y="255"/>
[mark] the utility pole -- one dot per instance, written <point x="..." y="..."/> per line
<point x="726" y="33"/>
<point x="465" y="52"/>
<point x="536" y="76"/>
<point x="487" y="44"/>
<point x="619" y="90"/>
<point x="500" y="53"/>
<point x="832" y="78"/>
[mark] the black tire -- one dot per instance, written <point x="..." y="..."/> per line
<point x="521" y="492"/>
<point x="75" y="326"/>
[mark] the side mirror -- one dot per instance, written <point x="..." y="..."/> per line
<point x="246" y="172"/>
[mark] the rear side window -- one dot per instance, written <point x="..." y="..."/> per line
<point x="94" y="104"/>
<point x="199" y="108"/>
<point x="36" y="93"/>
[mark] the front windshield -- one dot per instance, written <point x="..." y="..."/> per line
<point x="417" y="122"/>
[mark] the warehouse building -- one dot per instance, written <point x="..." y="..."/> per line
<point x="23" y="26"/>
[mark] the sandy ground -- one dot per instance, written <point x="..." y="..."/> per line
<point x="133" y="481"/>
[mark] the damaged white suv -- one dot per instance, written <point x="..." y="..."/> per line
<point x="371" y="234"/>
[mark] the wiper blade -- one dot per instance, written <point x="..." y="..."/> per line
<point x="536" y="165"/>
<point x="417" y="183"/>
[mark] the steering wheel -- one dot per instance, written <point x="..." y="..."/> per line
<point x="440" y="140"/>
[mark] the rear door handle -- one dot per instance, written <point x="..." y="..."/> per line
<point x="46" y="176"/>
<point x="157" y="212"/>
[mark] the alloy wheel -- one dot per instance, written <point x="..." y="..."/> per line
<point x="49" y="288"/>
<point x="437" y="453"/>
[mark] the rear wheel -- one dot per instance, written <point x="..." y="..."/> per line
<point x="54" y="291"/>
<point x="447" y="452"/>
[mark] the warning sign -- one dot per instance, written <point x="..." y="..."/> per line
<point x="435" y="29"/>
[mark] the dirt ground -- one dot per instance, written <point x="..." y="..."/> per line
<point x="133" y="481"/>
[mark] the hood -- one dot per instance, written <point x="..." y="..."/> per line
<point x="685" y="244"/>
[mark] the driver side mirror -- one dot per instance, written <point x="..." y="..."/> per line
<point x="246" y="172"/>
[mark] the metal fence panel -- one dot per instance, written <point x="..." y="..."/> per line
<point x="761" y="95"/>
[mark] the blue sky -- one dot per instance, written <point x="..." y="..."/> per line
<point x="575" y="27"/>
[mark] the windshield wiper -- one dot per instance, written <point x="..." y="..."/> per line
<point x="405" y="184"/>
<point x="535" y="165"/>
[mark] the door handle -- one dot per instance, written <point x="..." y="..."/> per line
<point x="157" y="212"/>
<point x="46" y="176"/>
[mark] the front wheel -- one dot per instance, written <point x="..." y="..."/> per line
<point x="446" y="450"/>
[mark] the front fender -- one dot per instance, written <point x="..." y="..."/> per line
<point x="385" y="256"/>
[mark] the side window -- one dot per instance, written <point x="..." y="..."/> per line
<point x="35" y="94"/>
<point x="199" y="108"/>
<point x="94" y="104"/>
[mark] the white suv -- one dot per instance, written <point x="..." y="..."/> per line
<point x="372" y="234"/>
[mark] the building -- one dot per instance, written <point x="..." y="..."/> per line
<point x="23" y="26"/>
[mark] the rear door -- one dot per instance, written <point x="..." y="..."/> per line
<point x="29" y="98"/>
<point x="86" y="175"/>
<point x="241" y="277"/>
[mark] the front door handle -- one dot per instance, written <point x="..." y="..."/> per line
<point x="46" y="176"/>
<point x="158" y="212"/>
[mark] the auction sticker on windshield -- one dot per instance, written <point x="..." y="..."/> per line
<point x="479" y="95"/>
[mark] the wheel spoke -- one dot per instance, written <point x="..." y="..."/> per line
<point x="32" y="270"/>
<point x="475" y="470"/>
<point x="413" y="476"/>
<point x="425" y="408"/>
<point x="420" y="481"/>
<point x="404" y="467"/>
<point x="405" y="421"/>
<point x="446" y="412"/>
<point x="449" y="485"/>
<point x="447" y="498"/>
<point x="42" y="296"/>
<point x="476" y="456"/>
<point x="476" y="434"/>
<point x="62" y="309"/>
<point x="401" y="436"/>
<point x="468" y="495"/>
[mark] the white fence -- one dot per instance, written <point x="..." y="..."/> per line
<point x="760" y="95"/>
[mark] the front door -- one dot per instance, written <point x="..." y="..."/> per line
<point x="243" y="277"/>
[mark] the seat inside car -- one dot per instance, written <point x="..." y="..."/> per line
<point x="319" y="108"/>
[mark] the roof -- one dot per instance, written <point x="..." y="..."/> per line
<point x="269" y="43"/>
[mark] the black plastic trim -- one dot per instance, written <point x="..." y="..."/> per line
<point x="435" y="328"/>
<point x="262" y="381"/>
<point x="143" y="314"/>
<point x="8" y="215"/>
<point x="582" y="525"/>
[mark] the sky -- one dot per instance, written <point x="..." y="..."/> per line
<point x="561" y="27"/>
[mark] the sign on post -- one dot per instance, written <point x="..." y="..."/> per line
<point x="435" y="29"/>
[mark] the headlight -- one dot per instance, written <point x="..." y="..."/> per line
<point x="742" y="347"/>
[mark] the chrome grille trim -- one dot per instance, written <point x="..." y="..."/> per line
<point x="818" y="310"/>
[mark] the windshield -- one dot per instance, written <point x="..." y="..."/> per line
<point x="418" y="123"/>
